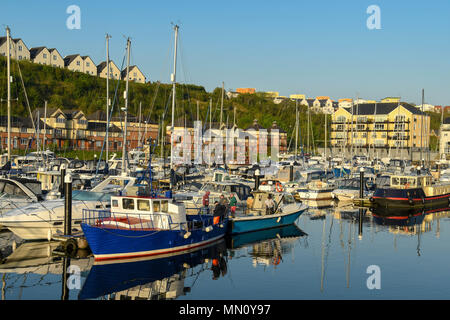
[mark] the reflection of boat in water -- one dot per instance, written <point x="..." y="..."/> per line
<point x="266" y="247"/>
<point x="318" y="204"/>
<point x="37" y="258"/>
<point x="32" y="268"/>
<point x="245" y="239"/>
<point x="154" y="278"/>
<point x="405" y="217"/>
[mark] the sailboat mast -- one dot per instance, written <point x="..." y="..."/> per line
<point x="421" y="129"/>
<point x="296" y="128"/>
<point x="107" y="96"/>
<point x="140" y="120"/>
<point x="8" y="80"/>
<point x="221" y="104"/>
<point x="124" y="163"/>
<point x="174" y="79"/>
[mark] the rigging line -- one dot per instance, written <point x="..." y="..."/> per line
<point x="109" y="118"/>
<point x="26" y="97"/>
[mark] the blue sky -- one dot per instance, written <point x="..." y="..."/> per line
<point x="312" y="47"/>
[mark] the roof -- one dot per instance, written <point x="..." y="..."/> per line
<point x="35" y="51"/>
<point x="68" y="59"/>
<point x="381" y="108"/>
<point x="19" y="122"/>
<point x="101" y="126"/>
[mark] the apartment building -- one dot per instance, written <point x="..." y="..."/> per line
<point x="380" y="126"/>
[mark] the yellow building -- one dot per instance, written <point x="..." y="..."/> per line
<point x="272" y="94"/>
<point x="379" y="126"/>
<point x="391" y="99"/>
<point x="297" y="96"/>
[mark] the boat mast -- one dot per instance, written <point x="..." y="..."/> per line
<point x="174" y="79"/>
<point x="8" y="80"/>
<point x="140" y="120"/>
<point x="296" y="128"/>
<point x="421" y="131"/>
<point x="107" y="96"/>
<point x="124" y="149"/>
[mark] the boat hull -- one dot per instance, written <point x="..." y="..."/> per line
<point x="254" y="223"/>
<point x="314" y="194"/>
<point x="402" y="201"/>
<point x="109" y="243"/>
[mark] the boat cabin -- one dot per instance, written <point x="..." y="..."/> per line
<point x="163" y="213"/>
<point x="256" y="205"/>
<point x="408" y="182"/>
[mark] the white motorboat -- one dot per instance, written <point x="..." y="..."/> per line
<point x="42" y="220"/>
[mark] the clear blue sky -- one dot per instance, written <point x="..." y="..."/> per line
<point x="310" y="47"/>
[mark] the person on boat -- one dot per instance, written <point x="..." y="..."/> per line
<point x="270" y="205"/>
<point x="233" y="203"/>
<point x="217" y="212"/>
<point x="206" y="202"/>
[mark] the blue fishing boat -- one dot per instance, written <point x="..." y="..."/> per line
<point x="257" y="217"/>
<point x="141" y="226"/>
<point x="152" y="278"/>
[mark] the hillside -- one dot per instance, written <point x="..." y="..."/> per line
<point x="74" y="90"/>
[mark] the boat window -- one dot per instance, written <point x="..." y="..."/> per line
<point x="156" y="206"/>
<point x="115" y="203"/>
<point x="395" y="181"/>
<point x="143" y="205"/>
<point x="164" y="206"/>
<point x="128" y="204"/>
<point x="288" y="199"/>
<point x="2" y="185"/>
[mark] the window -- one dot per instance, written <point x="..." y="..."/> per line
<point x="78" y="63"/>
<point x="128" y="204"/>
<point x="23" y="141"/>
<point x="98" y="143"/>
<point x="44" y="55"/>
<point x="164" y="206"/>
<point x="20" y="48"/>
<point x="20" y="57"/>
<point x="60" y="120"/>
<point x="88" y="64"/>
<point x="156" y="206"/>
<point x="143" y="205"/>
<point x="115" y="203"/>
<point x="54" y="57"/>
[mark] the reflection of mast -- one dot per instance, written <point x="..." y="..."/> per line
<point x="349" y="250"/>
<point x="325" y="251"/>
<point x="323" y="254"/>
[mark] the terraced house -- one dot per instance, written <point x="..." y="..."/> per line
<point x="114" y="71"/>
<point x="379" y="128"/>
<point x="134" y="74"/>
<point x="19" y="50"/>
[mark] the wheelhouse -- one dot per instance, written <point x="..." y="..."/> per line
<point x="407" y="182"/>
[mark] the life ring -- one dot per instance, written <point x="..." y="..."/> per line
<point x="278" y="187"/>
<point x="276" y="260"/>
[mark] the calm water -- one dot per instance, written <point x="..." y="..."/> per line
<point x="321" y="257"/>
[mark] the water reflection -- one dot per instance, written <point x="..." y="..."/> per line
<point x="154" y="279"/>
<point x="265" y="247"/>
<point x="33" y="266"/>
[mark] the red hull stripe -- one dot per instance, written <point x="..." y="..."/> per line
<point x="139" y="255"/>
<point x="416" y="199"/>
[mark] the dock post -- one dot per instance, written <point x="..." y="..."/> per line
<point x="361" y="183"/>
<point x="291" y="173"/>
<point x="257" y="177"/>
<point x="68" y="204"/>
<point x="61" y="183"/>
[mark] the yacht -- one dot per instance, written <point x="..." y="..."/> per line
<point x="45" y="219"/>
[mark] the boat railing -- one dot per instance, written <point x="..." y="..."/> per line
<point x="130" y="221"/>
